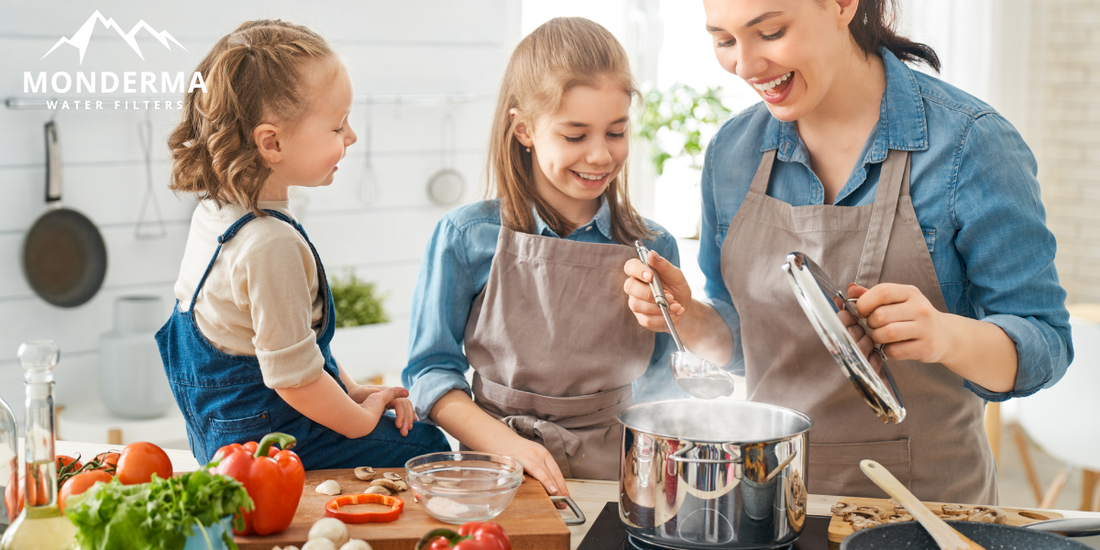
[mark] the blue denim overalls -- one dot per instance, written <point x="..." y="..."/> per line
<point x="224" y="400"/>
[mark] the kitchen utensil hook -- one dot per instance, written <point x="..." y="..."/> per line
<point x="145" y="135"/>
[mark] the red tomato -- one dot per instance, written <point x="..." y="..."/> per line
<point x="14" y="496"/>
<point x="108" y="460"/>
<point x="65" y="460"/>
<point x="139" y="461"/>
<point x="80" y="483"/>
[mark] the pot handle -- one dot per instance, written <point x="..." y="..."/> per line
<point x="678" y="456"/>
<point x="580" y="519"/>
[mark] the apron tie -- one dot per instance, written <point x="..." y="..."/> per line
<point x="561" y="443"/>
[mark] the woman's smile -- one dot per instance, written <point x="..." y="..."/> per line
<point x="774" y="89"/>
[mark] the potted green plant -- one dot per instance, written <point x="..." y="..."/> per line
<point x="678" y="122"/>
<point x="366" y="343"/>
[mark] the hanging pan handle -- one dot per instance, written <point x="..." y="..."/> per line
<point x="53" y="164"/>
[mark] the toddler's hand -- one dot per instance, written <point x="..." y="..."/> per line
<point x="359" y="392"/>
<point x="383" y="398"/>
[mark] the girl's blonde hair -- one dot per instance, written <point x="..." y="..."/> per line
<point x="253" y="75"/>
<point x="561" y="54"/>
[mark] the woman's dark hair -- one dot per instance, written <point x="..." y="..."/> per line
<point x="873" y="28"/>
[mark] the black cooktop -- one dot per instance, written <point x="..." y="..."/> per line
<point x="608" y="533"/>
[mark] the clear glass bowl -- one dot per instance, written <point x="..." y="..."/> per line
<point x="457" y="487"/>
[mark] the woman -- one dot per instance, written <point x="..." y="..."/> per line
<point x="891" y="179"/>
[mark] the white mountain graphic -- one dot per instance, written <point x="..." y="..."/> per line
<point x="82" y="36"/>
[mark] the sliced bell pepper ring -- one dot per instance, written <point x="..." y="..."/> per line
<point x="332" y="508"/>
<point x="473" y="535"/>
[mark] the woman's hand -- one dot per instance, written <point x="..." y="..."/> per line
<point x="641" y="300"/>
<point x="537" y="462"/>
<point x="863" y="340"/>
<point x="902" y="318"/>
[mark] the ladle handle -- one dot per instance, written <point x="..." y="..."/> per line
<point x="659" y="295"/>
<point x="946" y="537"/>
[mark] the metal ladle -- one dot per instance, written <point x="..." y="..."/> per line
<point x="695" y="375"/>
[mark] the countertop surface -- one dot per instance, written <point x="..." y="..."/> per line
<point x="590" y="495"/>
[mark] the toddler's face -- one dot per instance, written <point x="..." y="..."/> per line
<point x="582" y="147"/>
<point x="320" y="139"/>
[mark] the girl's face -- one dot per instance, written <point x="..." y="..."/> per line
<point x="312" y="147"/>
<point x="581" y="148"/>
<point x="793" y="52"/>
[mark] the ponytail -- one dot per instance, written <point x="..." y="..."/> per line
<point x="873" y="28"/>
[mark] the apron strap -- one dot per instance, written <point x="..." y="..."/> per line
<point x="763" y="173"/>
<point x="892" y="179"/>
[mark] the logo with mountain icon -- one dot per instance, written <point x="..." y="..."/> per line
<point x="80" y="39"/>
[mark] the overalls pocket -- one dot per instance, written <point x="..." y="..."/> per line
<point x="239" y="430"/>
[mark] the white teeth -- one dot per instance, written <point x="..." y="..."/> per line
<point x="590" y="177"/>
<point x="769" y="85"/>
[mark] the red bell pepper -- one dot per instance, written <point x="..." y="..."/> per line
<point x="274" y="479"/>
<point x="473" y="535"/>
<point x="332" y="508"/>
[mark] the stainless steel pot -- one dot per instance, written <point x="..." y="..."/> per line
<point x="713" y="474"/>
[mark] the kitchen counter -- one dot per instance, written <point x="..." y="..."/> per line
<point x="590" y="495"/>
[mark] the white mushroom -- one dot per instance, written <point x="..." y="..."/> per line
<point x="319" y="544"/>
<point x="392" y="476"/>
<point x="365" y="473"/>
<point x="328" y="487"/>
<point x="329" y="528"/>
<point x="388" y="484"/>
<point x="376" y="490"/>
<point x="356" y="544"/>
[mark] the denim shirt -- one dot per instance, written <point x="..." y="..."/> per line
<point x="453" y="273"/>
<point x="974" y="189"/>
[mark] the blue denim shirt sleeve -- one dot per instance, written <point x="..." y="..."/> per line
<point x="444" y="293"/>
<point x="1010" y="265"/>
<point x="710" y="262"/>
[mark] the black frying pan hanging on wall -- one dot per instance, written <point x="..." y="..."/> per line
<point x="64" y="258"/>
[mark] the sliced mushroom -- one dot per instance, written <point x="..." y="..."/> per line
<point x="392" y="476"/>
<point x="955" y="510"/>
<point x="378" y="490"/>
<point x="843" y="508"/>
<point x="328" y="487"/>
<point x="393" y="488"/>
<point x="862" y="524"/>
<point x="898" y="518"/>
<point x="401" y="485"/>
<point x="365" y="473"/>
<point x="877" y="511"/>
<point x="988" y="514"/>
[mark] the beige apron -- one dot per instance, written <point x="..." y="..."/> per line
<point x="940" y="450"/>
<point x="554" y="347"/>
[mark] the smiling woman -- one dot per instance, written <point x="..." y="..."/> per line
<point x="921" y="195"/>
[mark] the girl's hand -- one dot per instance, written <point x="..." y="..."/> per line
<point x="903" y="319"/>
<point x="377" y="402"/>
<point x="537" y="462"/>
<point x="641" y="300"/>
<point x="360" y="392"/>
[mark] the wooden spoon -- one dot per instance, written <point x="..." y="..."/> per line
<point x="945" y="536"/>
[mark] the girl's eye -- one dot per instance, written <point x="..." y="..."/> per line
<point x="340" y="130"/>
<point x="774" y="36"/>
<point x="727" y="43"/>
<point x="574" y="139"/>
<point x="617" y="136"/>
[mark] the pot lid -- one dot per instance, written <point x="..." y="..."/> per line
<point x="821" y="300"/>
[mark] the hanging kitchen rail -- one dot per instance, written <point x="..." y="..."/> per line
<point x="23" y="103"/>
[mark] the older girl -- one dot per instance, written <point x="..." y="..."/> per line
<point x="529" y="282"/>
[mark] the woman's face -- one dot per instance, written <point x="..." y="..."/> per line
<point x="794" y="53"/>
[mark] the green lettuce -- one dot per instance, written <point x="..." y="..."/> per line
<point x="157" y="515"/>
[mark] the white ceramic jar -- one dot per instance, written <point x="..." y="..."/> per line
<point x="132" y="382"/>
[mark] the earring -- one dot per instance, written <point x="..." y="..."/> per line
<point x="528" y="149"/>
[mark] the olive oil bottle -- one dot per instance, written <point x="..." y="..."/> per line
<point x="40" y="525"/>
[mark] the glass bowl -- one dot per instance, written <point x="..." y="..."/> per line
<point x="456" y="487"/>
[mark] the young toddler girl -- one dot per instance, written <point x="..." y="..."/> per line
<point x="247" y="348"/>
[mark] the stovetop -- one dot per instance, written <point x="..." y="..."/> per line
<point x="608" y="533"/>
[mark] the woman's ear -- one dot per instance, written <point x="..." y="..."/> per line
<point x="266" y="137"/>
<point x="520" y="128"/>
<point x="846" y="10"/>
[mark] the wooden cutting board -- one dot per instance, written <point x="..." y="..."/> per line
<point x="839" y="529"/>
<point x="531" y="520"/>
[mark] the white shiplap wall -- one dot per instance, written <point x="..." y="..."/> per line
<point x="407" y="47"/>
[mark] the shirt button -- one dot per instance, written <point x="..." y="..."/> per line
<point x="589" y="228"/>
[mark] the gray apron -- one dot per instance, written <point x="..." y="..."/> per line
<point x="554" y="347"/>
<point x="940" y="452"/>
